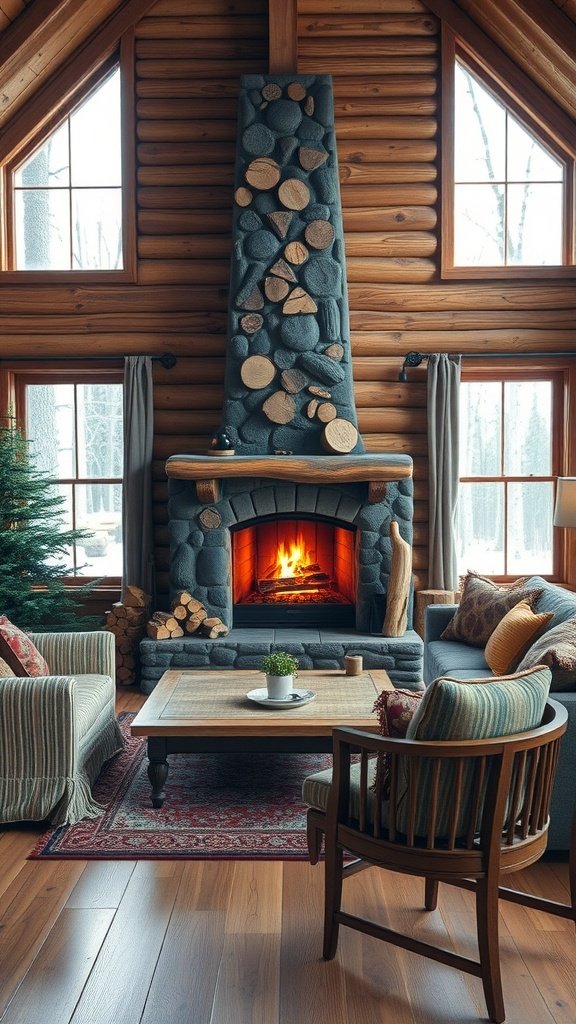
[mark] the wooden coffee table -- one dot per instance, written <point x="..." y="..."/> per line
<point x="207" y="710"/>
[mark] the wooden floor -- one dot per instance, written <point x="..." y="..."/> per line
<point x="221" y="942"/>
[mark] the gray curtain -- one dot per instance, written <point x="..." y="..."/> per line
<point x="137" y="489"/>
<point x="443" y="384"/>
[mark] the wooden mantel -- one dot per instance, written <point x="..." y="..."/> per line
<point x="208" y="470"/>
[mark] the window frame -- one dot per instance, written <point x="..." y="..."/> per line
<point x="453" y="50"/>
<point x="558" y="373"/>
<point x="14" y="378"/>
<point x="122" y="58"/>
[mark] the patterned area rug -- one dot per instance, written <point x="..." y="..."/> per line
<point x="225" y="806"/>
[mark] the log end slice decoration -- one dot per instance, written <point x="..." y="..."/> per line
<point x="283" y="270"/>
<point x="299" y="302"/>
<point x="243" y="196"/>
<point x="326" y="412"/>
<point x="335" y="351"/>
<point x="293" y="193"/>
<point x="319" y="234"/>
<point x="376" y="491"/>
<point x="271" y="91"/>
<point x="339" y="436"/>
<point x="280" y="222"/>
<point x="296" y="253"/>
<point x="208" y="491"/>
<point x="319" y="392"/>
<point x="296" y="91"/>
<point x="280" y="407"/>
<point x="210" y="519"/>
<point x="251" y="323"/>
<point x="254" y="300"/>
<point x="276" y="289"/>
<point x="311" y="408"/>
<point x="263" y="173"/>
<point x="310" y="159"/>
<point x="309" y="105"/>
<point x="257" y="372"/>
<point x="293" y="381"/>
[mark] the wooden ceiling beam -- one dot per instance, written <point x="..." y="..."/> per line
<point x="26" y="36"/>
<point x="541" y="107"/>
<point x="283" y="37"/>
<point x="75" y="71"/>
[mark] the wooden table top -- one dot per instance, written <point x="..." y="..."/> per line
<point x="190" y="702"/>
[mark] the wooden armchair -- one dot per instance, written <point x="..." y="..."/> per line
<point x="466" y="813"/>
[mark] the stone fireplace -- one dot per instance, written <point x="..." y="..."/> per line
<point x="283" y="529"/>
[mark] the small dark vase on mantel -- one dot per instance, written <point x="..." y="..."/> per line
<point x="221" y="443"/>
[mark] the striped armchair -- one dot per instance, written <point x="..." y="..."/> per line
<point x="57" y="731"/>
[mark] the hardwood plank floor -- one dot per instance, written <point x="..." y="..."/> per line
<point x="221" y="942"/>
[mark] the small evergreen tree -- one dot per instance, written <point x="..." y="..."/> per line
<point x="33" y="543"/>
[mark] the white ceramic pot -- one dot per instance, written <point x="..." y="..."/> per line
<point x="279" y="686"/>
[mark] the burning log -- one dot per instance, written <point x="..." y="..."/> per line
<point x="283" y="584"/>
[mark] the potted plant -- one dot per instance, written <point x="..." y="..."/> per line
<point x="280" y="668"/>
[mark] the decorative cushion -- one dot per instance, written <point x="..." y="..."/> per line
<point x="18" y="650"/>
<point x="394" y="709"/>
<point x="513" y="635"/>
<point x="557" y="649"/>
<point x="469" y="709"/>
<point x="5" y="670"/>
<point x="482" y="606"/>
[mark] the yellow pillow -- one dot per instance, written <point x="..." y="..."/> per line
<point x="513" y="636"/>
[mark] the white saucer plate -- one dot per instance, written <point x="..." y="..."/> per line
<point x="296" y="699"/>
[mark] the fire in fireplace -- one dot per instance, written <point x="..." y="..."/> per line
<point x="294" y="570"/>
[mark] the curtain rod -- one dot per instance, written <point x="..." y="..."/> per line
<point x="167" y="360"/>
<point x="415" y="358"/>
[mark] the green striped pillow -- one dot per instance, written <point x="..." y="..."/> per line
<point x="472" y="709"/>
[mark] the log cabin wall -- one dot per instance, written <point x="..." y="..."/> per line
<point x="384" y="59"/>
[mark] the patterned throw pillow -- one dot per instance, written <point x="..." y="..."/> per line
<point x="18" y="650"/>
<point x="513" y="636"/>
<point x="394" y="709"/>
<point x="470" y="709"/>
<point x="557" y="649"/>
<point x="5" y="669"/>
<point x="482" y="606"/>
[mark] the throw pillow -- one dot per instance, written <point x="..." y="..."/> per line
<point x="469" y="709"/>
<point x="394" y="709"/>
<point x="513" y="636"/>
<point x="557" y="649"/>
<point x="5" y="669"/>
<point x="482" y="605"/>
<point x="18" y="650"/>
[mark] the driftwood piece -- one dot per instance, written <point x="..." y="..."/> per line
<point x="293" y="380"/>
<point x="319" y="234"/>
<point x="264" y="173"/>
<point x="294" y="193"/>
<point x="296" y="253"/>
<point x="398" y="584"/>
<point x="280" y="407"/>
<point x="339" y="436"/>
<point x="276" y="289"/>
<point x="257" y="372"/>
<point x="299" y="302"/>
<point x="310" y="159"/>
<point x="210" y="518"/>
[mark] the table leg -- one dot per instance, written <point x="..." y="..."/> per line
<point x="157" y="769"/>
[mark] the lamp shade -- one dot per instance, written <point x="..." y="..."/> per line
<point x="565" y="510"/>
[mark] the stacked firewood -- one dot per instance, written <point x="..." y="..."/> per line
<point x="188" y="616"/>
<point x="127" y="620"/>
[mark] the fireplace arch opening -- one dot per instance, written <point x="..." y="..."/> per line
<point x="289" y="569"/>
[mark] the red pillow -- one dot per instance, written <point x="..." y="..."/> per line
<point x="18" y="650"/>
<point x="394" y="709"/>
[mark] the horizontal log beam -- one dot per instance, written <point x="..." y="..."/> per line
<point x="303" y="469"/>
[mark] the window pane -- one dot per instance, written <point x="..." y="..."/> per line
<point x="50" y="428"/>
<point x="479" y="225"/>
<point x="49" y="164"/>
<point x="527" y="158"/>
<point x="95" y="137"/>
<point x="528" y="428"/>
<point x="42" y="239"/>
<point x="530" y="510"/>
<point x="66" y="559"/>
<point x="100" y="434"/>
<point x="97" y="235"/>
<point x="479" y="130"/>
<point x="535" y="225"/>
<point x="480" y="428"/>
<point x="480" y="528"/>
<point x="99" y="509"/>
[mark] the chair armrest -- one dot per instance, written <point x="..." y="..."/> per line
<point x="37" y="725"/>
<point x="437" y="618"/>
<point x="81" y="653"/>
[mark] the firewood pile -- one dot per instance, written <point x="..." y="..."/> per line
<point x="127" y="620"/>
<point x="187" y="617"/>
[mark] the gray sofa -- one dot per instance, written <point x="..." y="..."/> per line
<point x="453" y="658"/>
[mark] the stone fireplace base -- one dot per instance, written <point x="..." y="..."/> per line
<point x="245" y="648"/>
